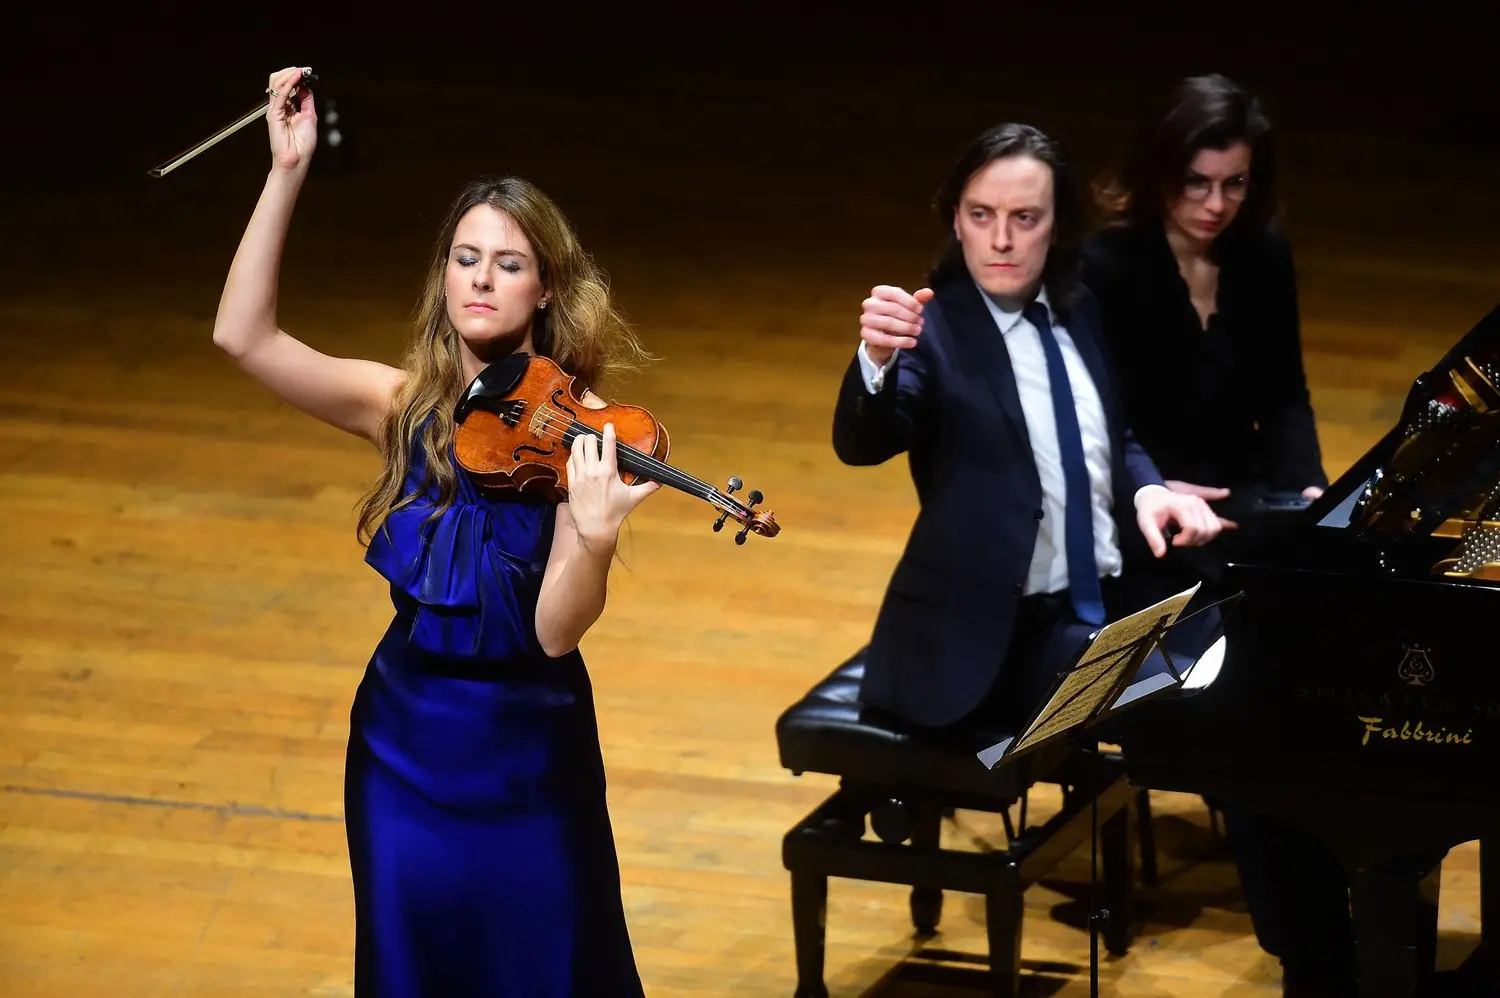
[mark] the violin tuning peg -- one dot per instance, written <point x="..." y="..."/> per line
<point x="754" y="497"/>
<point x="735" y="484"/>
<point x="739" y="538"/>
<point x="719" y="523"/>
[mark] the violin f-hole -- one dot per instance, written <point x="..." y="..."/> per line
<point x="557" y="401"/>
<point x="523" y="448"/>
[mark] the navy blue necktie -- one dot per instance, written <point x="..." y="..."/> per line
<point x="1083" y="568"/>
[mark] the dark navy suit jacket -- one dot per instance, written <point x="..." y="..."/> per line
<point x="951" y="404"/>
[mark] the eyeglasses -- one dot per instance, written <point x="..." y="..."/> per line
<point x="1196" y="188"/>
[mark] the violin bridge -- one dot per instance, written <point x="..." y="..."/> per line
<point x="539" y="420"/>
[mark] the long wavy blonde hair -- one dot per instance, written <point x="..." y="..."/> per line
<point x="580" y="330"/>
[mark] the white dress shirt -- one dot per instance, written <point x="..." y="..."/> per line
<point x="1049" y="561"/>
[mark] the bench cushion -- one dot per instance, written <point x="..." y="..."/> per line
<point x="830" y="731"/>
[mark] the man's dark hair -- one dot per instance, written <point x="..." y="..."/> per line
<point x="1060" y="276"/>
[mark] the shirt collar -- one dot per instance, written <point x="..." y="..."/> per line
<point x="1006" y="318"/>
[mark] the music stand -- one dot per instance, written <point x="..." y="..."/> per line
<point x="1085" y="693"/>
<point x="1081" y="695"/>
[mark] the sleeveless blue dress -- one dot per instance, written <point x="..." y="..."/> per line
<point x="480" y="846"/>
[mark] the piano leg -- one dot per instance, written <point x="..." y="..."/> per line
<point x="1116" y="848"/>
<point x="1395" y="909"/>
<point x="1479" y="975"/>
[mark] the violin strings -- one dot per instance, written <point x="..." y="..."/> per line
<point x="556" y="426"/>
<point x="649" y="464"/>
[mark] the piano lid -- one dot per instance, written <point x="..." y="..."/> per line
<point x="1436" y="474"/>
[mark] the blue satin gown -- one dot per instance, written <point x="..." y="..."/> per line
<point x="481" y="850"/>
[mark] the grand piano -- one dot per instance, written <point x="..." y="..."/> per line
<point x="1355" y="690"/>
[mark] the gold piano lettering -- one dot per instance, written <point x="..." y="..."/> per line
<point x="1409" y="732"/>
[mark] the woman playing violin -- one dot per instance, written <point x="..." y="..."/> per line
<point x="481" y="850"/>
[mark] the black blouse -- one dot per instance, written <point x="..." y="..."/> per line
<point x="1223" y="406"/>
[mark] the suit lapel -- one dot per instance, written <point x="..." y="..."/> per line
<point x="1083" y="326"/>
<point x="1080" y="327"/>
<point x="975" y="331"/>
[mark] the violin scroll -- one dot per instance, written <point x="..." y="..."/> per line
<point x="762" y="523"/>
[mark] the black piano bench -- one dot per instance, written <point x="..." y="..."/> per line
<point x="902" y="781"/>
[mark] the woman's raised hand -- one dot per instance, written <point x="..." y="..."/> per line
<point x="294" y="131"/>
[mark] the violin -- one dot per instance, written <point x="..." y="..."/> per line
<point x="516" y="423"/>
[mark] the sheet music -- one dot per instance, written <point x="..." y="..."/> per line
<point x="1087" y="686"/>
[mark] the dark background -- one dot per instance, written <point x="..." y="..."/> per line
<point x="786" y="149"/>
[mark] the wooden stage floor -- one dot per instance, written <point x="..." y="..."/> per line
<point x="184" y="613"/>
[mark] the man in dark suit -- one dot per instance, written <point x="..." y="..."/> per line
<point x="995" y="383"/>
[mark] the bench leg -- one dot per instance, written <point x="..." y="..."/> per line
<point x="1003" y="916"/>
<point x="926" y="836"/>
<point x="809" y="918"/>
<point x="1115" y="852"/>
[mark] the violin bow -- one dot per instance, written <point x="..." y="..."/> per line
<point x="259" y="111"/>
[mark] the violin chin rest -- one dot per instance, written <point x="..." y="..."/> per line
<point x="496" y="381"/>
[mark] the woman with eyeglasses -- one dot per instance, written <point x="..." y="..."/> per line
<point x="1198" y="297"/>
<point x="1199" y="301"/>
